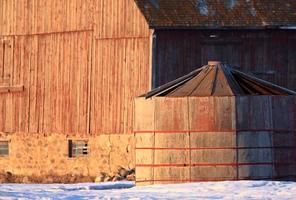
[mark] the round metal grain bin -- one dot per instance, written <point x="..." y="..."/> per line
<point x="215" y="124"/>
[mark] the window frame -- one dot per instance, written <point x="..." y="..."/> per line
<point x="76" y="150"/>
<point x="5" y="142"/>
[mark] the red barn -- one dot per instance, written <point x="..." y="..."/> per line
<point x="69" y="71"/>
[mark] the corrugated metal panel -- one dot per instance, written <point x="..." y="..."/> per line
<point x="197" y="154"/>
<point x="115" y="82"/>
<point x="240" y="138"/>
<point x="20" y="17"/>
<point x="216" y="79"/>
<point x="118" y="19"/>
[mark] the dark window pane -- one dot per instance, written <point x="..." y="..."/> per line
<point x="4" y="148"/>
<point x="79" y="148"/>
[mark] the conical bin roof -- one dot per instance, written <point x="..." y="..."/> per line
<point x="216" y="79"/>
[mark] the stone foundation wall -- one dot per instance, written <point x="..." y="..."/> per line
<point x="41" y="156"/>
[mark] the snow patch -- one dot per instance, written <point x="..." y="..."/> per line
<point x="252" y="10"/>
<point x="230" y="4"/>
<point x="155" y="3"/>
<point x="202" y="7"/>
<point x="127" y="190"/>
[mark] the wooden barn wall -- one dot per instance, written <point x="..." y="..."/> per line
<point x="121" y="68"/>
<point x="119" y="19"/>
<point x="269" y="54"/>
<point x="54" y="70"/>
<point x="109" y="18"/>
<point x="115" y="82"/>
<point x="81" y="63"/>
<point x="22" y="17"/>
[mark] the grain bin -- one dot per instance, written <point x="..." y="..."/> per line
<point x="215" y="124"/>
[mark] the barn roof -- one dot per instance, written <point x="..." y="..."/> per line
<point x="219" y="13"/>
<point x="216" y="79"/>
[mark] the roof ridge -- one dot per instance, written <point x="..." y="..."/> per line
<point x="200" y="83"/>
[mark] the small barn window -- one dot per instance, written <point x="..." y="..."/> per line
<point x="4" y="148"/>
<point x="78" y="148"/>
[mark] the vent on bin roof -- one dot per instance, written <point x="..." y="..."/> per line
<point x="216" y="79"/>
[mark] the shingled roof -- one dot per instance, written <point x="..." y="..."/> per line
<point x="216" y="79"/>
<point x="219" y="13"/>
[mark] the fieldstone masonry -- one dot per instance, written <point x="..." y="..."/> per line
<point x="35" y="157"/>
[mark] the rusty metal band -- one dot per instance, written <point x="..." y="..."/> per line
<point x="214" y="131"/>
<point x="214" y="148"/>
<point x="185" y="180"/>
<point x="215" y="164"/>
<point x="213" y="179"/>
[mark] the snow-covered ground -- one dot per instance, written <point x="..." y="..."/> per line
<point x="127" y="190"/>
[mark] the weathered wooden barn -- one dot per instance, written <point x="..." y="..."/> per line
<point x="69" y="70"/>
<point x="257" y="36"/>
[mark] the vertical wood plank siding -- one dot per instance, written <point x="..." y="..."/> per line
<point x="55" y="80"/>
<point x="268" y="54"/>
<point x="119" y="19"/>
<point x="116" y="82"/>
<point x="81" y="63"/>
<point x="22" y="17"/>
<point x="121" y="69"/>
